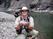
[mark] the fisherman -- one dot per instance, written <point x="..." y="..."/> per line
<point x="24" y="19"/>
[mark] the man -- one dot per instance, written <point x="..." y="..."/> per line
<point x="24" y="20"/>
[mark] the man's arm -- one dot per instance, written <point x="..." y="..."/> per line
<point x="31" y="24"/>
<point x="17" y="24"/>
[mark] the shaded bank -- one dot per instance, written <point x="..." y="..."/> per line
<point x="44" y="24"/>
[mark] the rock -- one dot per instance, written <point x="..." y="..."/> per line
<point x="6" y="17"/>
<point x="7" y="28"/>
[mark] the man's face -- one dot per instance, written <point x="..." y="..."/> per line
<point x="24" y="14"/>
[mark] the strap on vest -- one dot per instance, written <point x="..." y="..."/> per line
<point x="24" y="19"/>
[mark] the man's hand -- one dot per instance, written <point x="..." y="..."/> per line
<point x="30" y="28"/>
<point x="20" y="24"/>
<point x="17" y="28"/>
